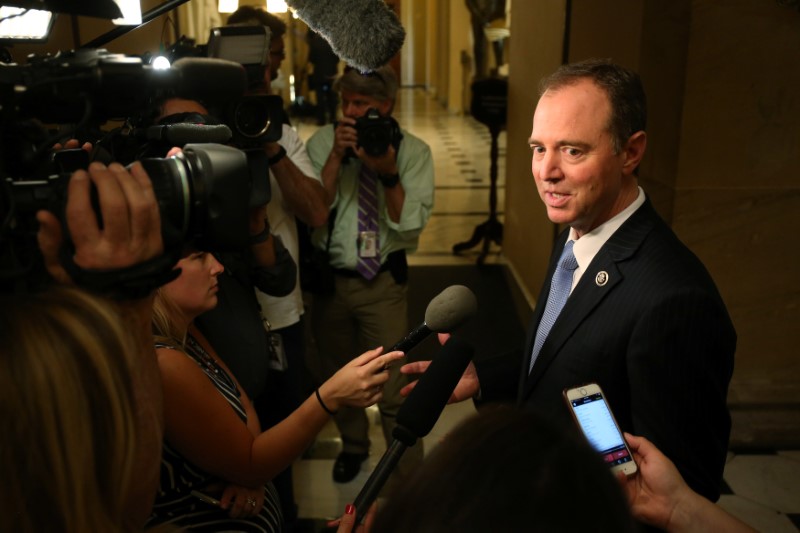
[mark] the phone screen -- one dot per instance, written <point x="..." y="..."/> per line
<point x="598" y="425"/>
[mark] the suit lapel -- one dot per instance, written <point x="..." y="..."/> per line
<point x="600" y="278"/>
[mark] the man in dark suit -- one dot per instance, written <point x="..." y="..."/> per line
<point x="643" y="319"/>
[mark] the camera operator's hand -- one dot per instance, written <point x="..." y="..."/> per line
<point x="131" y="230"/>
<point x="72" y="144"/>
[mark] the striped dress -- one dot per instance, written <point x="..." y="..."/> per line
<point x="174" y="502"/>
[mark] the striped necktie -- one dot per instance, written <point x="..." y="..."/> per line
<point x="368" y="221"/>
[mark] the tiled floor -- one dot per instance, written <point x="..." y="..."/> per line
<point x="762" y="488"/>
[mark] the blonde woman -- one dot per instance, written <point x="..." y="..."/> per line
<point x="214" y="450"/>
<point x="67" y="416"/>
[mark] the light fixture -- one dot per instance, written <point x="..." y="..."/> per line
<point x="227" y="6"/>
<point x="277" y="6"/>
<point x="131" y="13"/>
<point x="27" y="25"/>
<point x="160" y="63"/>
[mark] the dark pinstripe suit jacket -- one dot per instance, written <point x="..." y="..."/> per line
<point x="656" y="337"/>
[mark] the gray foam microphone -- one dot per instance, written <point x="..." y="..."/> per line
<point x="364" y="33"/>
<point x="445" y="313"/>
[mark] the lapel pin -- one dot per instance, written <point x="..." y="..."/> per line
<point x="601" y="278"/>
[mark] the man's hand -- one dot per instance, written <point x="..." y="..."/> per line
<point x="466" y="388"/>
<point x="131" y="230"/>
<point x="345" y="136"/>
<point x="382" y="164"/>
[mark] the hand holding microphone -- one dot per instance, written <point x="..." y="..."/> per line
<point x="418" y="414"/>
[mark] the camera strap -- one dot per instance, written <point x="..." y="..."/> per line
<point x="129" y="283"/>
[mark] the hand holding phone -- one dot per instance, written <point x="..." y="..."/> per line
<point x="591" y="411"/>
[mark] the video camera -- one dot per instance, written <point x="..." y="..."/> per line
<point x="201" y="193"/>
<point x="254" y="118"/>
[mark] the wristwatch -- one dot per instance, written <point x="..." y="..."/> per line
<point x="277" y="157"/>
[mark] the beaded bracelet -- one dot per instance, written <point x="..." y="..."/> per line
<point x="325" y="407"/>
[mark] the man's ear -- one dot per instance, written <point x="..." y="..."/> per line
<point x="633" y="151"/>
<point x="385" y="107"/>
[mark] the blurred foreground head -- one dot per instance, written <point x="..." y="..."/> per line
<point x="66" y="413"/>
<point x="508" y="470"/>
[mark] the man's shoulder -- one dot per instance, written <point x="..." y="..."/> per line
<point x="413" y="142"/>
<point x="660" y="253"/>
<point x="323" y="134"/>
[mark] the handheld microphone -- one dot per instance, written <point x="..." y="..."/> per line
<point x="418" y="415"/>
<point x="365" y="33"/>
<point x="445" y="313"/>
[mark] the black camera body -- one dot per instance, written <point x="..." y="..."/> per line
<point x="255" y="119"/>
<point x="376" y="133"/>
<point x="202" y="194"/>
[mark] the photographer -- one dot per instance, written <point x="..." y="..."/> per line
<point x="382" y="193"/>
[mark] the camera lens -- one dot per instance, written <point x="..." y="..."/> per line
<point x="172" y="186"/>
<point x="252" y="117"/>
<point x="203" y="196"/>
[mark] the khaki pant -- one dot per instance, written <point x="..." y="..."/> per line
<point x="359" y="316"/>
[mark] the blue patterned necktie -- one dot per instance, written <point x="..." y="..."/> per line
<point x="560" y="287"/>
<point x="368" y="220"/>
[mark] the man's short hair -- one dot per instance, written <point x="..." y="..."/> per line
<point x="258" y="15"/>
<point x="380" y="84"/>
<point x="623" y="87"/>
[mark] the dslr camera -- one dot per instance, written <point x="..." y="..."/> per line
<point x="202" y="193"/>
<point x="377" y="133"/>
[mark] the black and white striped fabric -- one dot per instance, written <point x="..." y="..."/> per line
<point x="179" y="477"/>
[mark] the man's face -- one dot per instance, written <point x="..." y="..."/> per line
<point x="277" y="52"/>
<point x="174" y="106"/>
<point x="355" y="105"/>
<point x="580" y="179"/>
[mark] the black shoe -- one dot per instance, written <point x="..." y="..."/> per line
<point x="347" y="466"/>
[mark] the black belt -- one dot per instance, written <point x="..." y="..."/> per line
<point x="349" y="273"/>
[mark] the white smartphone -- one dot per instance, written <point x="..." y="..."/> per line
<point x="589" y="407"/>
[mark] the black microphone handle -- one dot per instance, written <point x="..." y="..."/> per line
<point x="416" y="336"/>
<point x="378" y="479"/>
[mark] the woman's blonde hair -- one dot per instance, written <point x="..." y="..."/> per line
<point x="165" y="325"/>
<point x="66" y="413"/>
